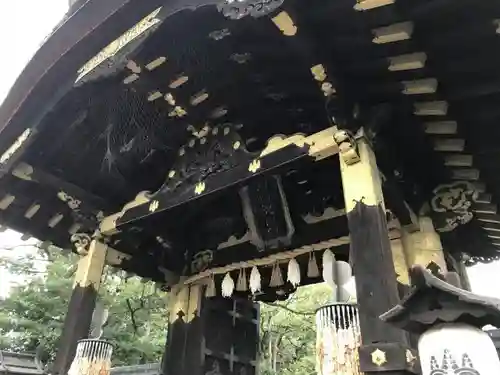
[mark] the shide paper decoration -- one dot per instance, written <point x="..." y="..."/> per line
<point x="312" y="267"/>
<point x="293" y="274"/>
<point x="255" y="283"/>
<point x="227" y="285"/>
<point x="335" y="273"/>
<point x="241" y="285"/>
<point x="276" y="277"/>
<point x="328" y="264"/>
<point x="211" y="290"/>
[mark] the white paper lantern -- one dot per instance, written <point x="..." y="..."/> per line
<point x="457" y="349"/>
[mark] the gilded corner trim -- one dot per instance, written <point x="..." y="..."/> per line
<point x="378" y="357"/>
<point x="115" y="46"/>
<point x="91" y="266"/>
<point x="361" y="181"/>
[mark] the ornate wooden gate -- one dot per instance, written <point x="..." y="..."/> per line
<point x="221" y="339"/>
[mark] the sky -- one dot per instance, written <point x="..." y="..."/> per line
<point x="23" y="27"/>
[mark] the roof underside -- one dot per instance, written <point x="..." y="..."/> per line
<point x="98" y="140"/>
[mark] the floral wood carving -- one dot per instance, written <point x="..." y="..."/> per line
<point x="201" y="261"/>
<point x="72" y="202"/>
<point x="452" y="205"/>
<point x="237" y="9"/>
<point x="220" y="150"/>
<point x="81" y="242"/>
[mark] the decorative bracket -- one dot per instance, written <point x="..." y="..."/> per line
<point x="347" y="147"/>
<point x="383" y="357"/>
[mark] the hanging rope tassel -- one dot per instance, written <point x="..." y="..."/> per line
<point x="276" y="277"/>
<point x="241" y="284"/>
<point x="211" y="290"/>
<point x="293" y="273"/>
<point x="312" y="266"/>
<point x="255" y="285"/>
<point x="227" y="286"/>
<point x="329" y="269"/>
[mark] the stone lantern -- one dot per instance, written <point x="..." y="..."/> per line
<point x="449" y="321"/>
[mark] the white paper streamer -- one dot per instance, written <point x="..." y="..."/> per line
<point x="210" y="291"/>
<point x="227" y="285"/>
<point x="276" y="277"/>
<point x="329" y="269"/>
<point x="241" y="284"/>
<point x="312" y="266"/>
<point x="255" y="285"/>
<point x="293" y="274"/>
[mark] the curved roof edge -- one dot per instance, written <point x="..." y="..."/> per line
<point x="51" y="72"/>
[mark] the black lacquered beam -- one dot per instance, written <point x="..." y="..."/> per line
<point x="276" y="162"/>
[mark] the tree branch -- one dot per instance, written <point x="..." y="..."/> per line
<point x="303" y="313"/>
<point x="132" y="315"/>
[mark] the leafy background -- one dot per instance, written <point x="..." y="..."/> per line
<point x="31" y="316"/>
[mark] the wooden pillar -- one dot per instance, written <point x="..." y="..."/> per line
<point x="183" y="351"/>
<point x="461" y="270"/>
<point x="383" y="347"/>
<point x="457" y="265"/>
<point x="81" y="305"/>
<point x="210" y="335"/>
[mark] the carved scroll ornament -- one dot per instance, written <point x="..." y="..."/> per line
<point x="81" y="242"/>
<point x="452" y="205"/>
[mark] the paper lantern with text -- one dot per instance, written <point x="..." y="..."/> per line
<point x="457" y="349"/>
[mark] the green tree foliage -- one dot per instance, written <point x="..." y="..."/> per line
<point x="288" y="335"/>
<point x="33" y="314"/>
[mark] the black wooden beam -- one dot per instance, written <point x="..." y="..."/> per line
<point x="55" y="182"/>
<point x="170" y="202"/>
